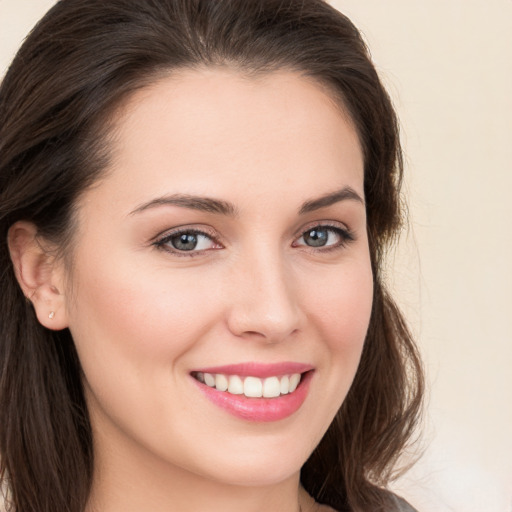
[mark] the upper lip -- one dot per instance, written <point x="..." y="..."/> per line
<point x="260" y="370"/>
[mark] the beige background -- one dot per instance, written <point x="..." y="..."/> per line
<point x="448" y="66"/>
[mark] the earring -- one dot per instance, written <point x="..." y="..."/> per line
<point x="51" y="315"/>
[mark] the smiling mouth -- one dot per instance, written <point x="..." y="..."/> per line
<point x="250" y="386"/>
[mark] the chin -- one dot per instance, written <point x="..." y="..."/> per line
<point x="258" y="475"/>
<point x="265" y="462"/>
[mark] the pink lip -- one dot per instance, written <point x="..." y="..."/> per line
<point x="258" y="409"/>
<point x="258" y="369"/>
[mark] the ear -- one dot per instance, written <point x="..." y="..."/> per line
<point x="39" y="274"/>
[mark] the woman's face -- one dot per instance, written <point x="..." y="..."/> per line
<point x="226" y="246"/>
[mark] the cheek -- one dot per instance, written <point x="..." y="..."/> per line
<point x="133" y="330"/>
<point x="339" y="309"/>
<point x="129" y="319"/>
<point x="343" y="307"/>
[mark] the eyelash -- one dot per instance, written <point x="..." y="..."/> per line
<point x="165" y="242"/>
<point x="344" y="234"/>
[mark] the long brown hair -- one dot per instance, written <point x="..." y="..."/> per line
<point x="58" y="96"/>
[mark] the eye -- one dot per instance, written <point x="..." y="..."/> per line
<point x="325" y="236"/>
<point x="188" y="240"/>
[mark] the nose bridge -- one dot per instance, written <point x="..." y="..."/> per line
<point x="265" y="303"/>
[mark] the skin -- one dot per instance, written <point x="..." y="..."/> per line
<point x="143" y="316"/>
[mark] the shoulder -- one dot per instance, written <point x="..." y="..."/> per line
<point x="402" y="505"/>
<point x="393" y="503"/>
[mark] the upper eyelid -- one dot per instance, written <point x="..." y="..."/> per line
<point x="215" y="237"/>
<point x="162" y="242"/>
<point x="344" y="232"/>
<point x="167" y="233"/>
<point x="322" y="223"/>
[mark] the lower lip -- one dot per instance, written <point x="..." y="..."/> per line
<point x="259" y="409"/>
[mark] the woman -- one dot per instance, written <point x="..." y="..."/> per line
<point x="196" y="197"/>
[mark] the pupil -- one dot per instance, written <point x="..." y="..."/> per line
<point x="185" y="242"/>
<point x="316" y="237"/>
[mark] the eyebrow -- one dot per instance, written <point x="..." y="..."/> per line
<point x="345" y="194"/>
<point x="211" y="205"/>
<point x="203" y="204"/>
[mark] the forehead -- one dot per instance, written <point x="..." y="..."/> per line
<point x="205" y="130"/>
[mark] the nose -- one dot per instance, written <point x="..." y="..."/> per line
<point x="264" y="303"/>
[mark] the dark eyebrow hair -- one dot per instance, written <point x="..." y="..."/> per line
<point x="344" y="194"/>
<point x="210" y="205"/>
<point x="204" y="204"/>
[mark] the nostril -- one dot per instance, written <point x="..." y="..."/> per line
<point x="260" y="325"/>
<point x="265" y="305"/>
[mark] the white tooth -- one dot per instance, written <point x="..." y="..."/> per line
<point x="253" y="387"/>
<point x="294" y="381"/>
<point x="285" y="385"/>
<point x="271" y="387"/>
<point x="235" y="386"/>
<point x="209" y="380"/>
<point x="221" y="382"/>
<point x="200" y="376"/>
